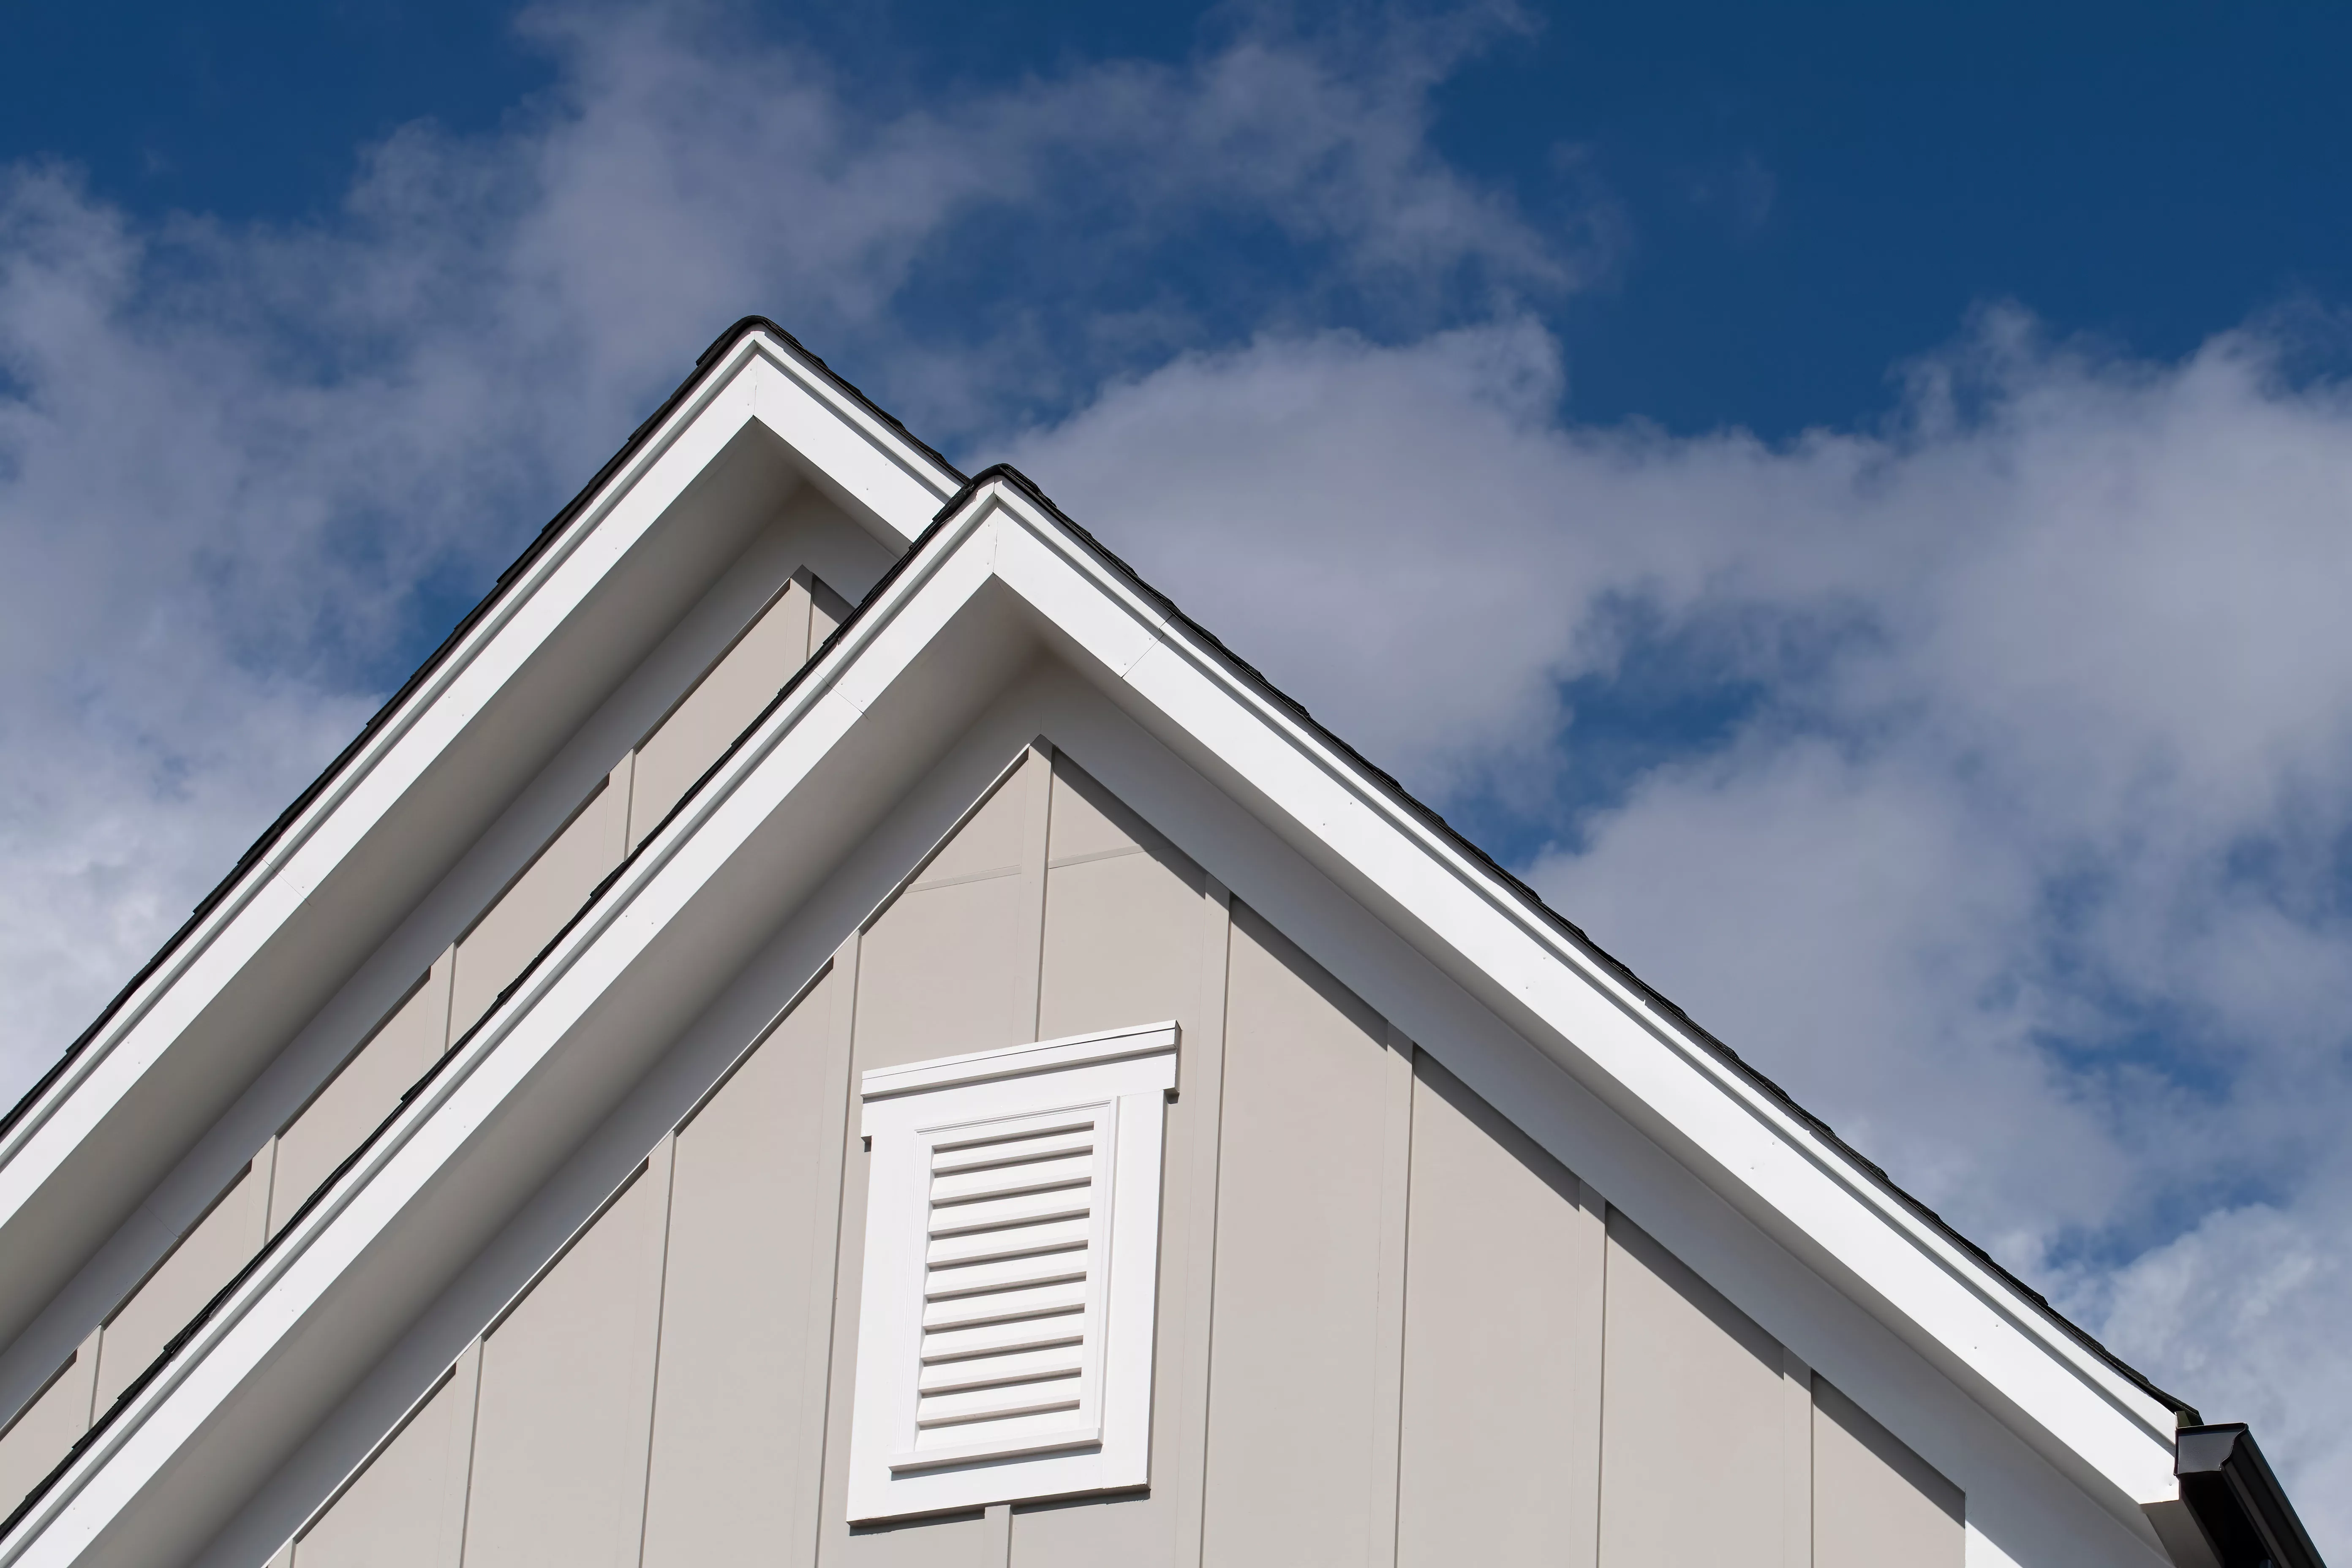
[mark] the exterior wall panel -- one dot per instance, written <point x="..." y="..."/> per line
<point x="1125" y="944"/>
<point x="1500" y="1450"/>
<point x="1876" y="1504"/>
<point x="407" y="1508"/>
<point x="719" y="707"/>
<point x="566" y="1403"/>
<point x="938" y="971"/>
<point x="1392" y="1328"/>
<point x="529" y="913"/>
<point x="1293" y="1420"/>
<point x="361" y="1095"/>
<point x="739" y="1412"/>
<point x="1122" y="918"/>
<point x="1692" y="1419"/>
<point x="38" y="1438"/>
<point x="206" y="1258"/>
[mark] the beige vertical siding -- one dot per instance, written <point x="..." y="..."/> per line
<point x="1691" y="1430"/>
<point x="1503" y="1344"/>
<point x="1122" y="920"/>
<point x="1391" y="1329"/>
<point x="938" y="973"/>
<point x="1292" y="1412"/>
<point x="827" y="610"/>
<point x="739" y="1422"/>
<point x="566" y="1400"/>
<point x="719" y="707"/>
<point x="46" y="1428"/>
<point x="548" y="892"/>
<point x="1126" y="940"/>
<point x="407" y="1509"/>
<point x="206" y="1258"/>
<point x="951" y="1541"/>
<point x="1876" y="1504"/>
<point x="362" y="1094"/>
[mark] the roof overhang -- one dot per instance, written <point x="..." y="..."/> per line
<point x="1000" y="577"/>
<point x="323" y="889"/>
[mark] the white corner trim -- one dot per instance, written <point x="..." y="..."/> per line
<point x="1010" y="1278"/>
<point x="1021" y="1061"/>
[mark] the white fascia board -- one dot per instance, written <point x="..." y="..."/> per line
<point x="1786" y="1171"/>
<point x="503" y="1051"/>
<point x="851" y="450"/>
<point x="896" y="485"/>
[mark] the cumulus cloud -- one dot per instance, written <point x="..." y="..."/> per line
<point x="2014" y="845"/>
<point x="247" y="471"/>
<point x="2021" y="857"/>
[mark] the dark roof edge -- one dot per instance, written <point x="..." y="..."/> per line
<point x="538" y="546"/>
<point x="1009" y="474"/>
<point x="2237" y="1501"/>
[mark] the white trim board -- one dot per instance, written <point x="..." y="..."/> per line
<point x="1058" y="1144"/>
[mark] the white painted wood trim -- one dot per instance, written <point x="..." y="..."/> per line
<point x="1021" y="1061"/>
<point x="1104" y="1440"/>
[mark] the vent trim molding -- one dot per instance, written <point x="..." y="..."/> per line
<point x="1006" y="1316"/>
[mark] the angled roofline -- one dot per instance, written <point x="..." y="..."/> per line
<point x="703" y="365"/>
<point x="2188" y="1413"/>
<point x="1384" y="783"/>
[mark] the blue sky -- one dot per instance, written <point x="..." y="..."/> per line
<point x="1806" y="195"/>
<point x="1854" y="502"/>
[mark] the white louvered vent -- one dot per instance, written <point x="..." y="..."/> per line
<point x="1016" y="1231"/>
<point x="1012" y="1241"/>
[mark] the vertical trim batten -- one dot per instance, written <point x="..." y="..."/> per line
<point x="1583" y="1423"/>
<point x="1388" y="1369"/>
<point x="824" y="1263"/>
<point x="661" y="1170"/>
<point x="1201" y="1074"/>
<point x="1795" y="1461"/>
<point x="1029" y="954"/>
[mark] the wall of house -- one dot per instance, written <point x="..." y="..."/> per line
<point x="1391" y="1330"/>
<point x="793" y="612"/>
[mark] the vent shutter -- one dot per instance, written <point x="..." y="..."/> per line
<point x="1011" y="1238"/>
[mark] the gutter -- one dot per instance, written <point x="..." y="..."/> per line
<point x="2232" y="1512"/>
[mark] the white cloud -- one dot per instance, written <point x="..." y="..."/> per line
<point x="2023" y="870"/>
<point x="234" y="460"/>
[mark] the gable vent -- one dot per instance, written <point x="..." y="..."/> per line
<point x="1012" y="1254"/>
